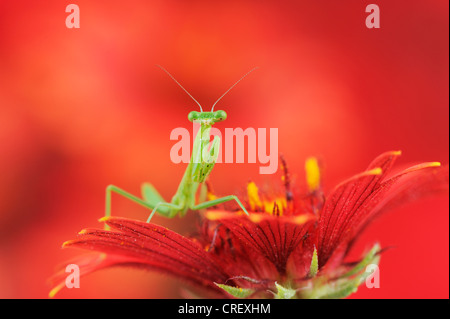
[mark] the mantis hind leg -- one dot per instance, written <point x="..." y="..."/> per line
<point x="143" y="202"/>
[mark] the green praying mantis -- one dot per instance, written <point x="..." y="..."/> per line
<point x="204" y="156"/>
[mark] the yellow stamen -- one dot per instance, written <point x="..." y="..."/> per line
<point x="270" y="204"/>
<point x="253" y="197"/>
<point x="312" y="173"/>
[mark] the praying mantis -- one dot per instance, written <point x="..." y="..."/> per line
<point x="204" y="156"/>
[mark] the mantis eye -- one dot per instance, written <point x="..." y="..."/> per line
<point x="220" y="116"/>
<point x="192" y="116"/>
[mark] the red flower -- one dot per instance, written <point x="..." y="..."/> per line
<point x="292" y="245"/>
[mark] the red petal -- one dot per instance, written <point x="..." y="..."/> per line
<point x="154" y="247"/>
<point x="273" y="237"/>
<point x="345" y="200"/>
<point x="355" y="202"/>
<point x="411" y="184"/>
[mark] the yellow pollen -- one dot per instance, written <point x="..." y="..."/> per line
<point x="312" y="173"/>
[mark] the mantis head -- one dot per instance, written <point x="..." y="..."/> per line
<point x="208" y="118"/>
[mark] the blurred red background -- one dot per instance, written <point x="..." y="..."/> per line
<point x="83" y="108"/>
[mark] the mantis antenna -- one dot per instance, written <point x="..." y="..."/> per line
<point x="201" y="110"/>
<point x="212" y="109"/>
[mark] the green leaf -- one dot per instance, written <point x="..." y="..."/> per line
<point x="284" y="293"/>
<point x="314" y="264"/>
<point x="236" y="292"/>
<point x="347" y="283"/>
